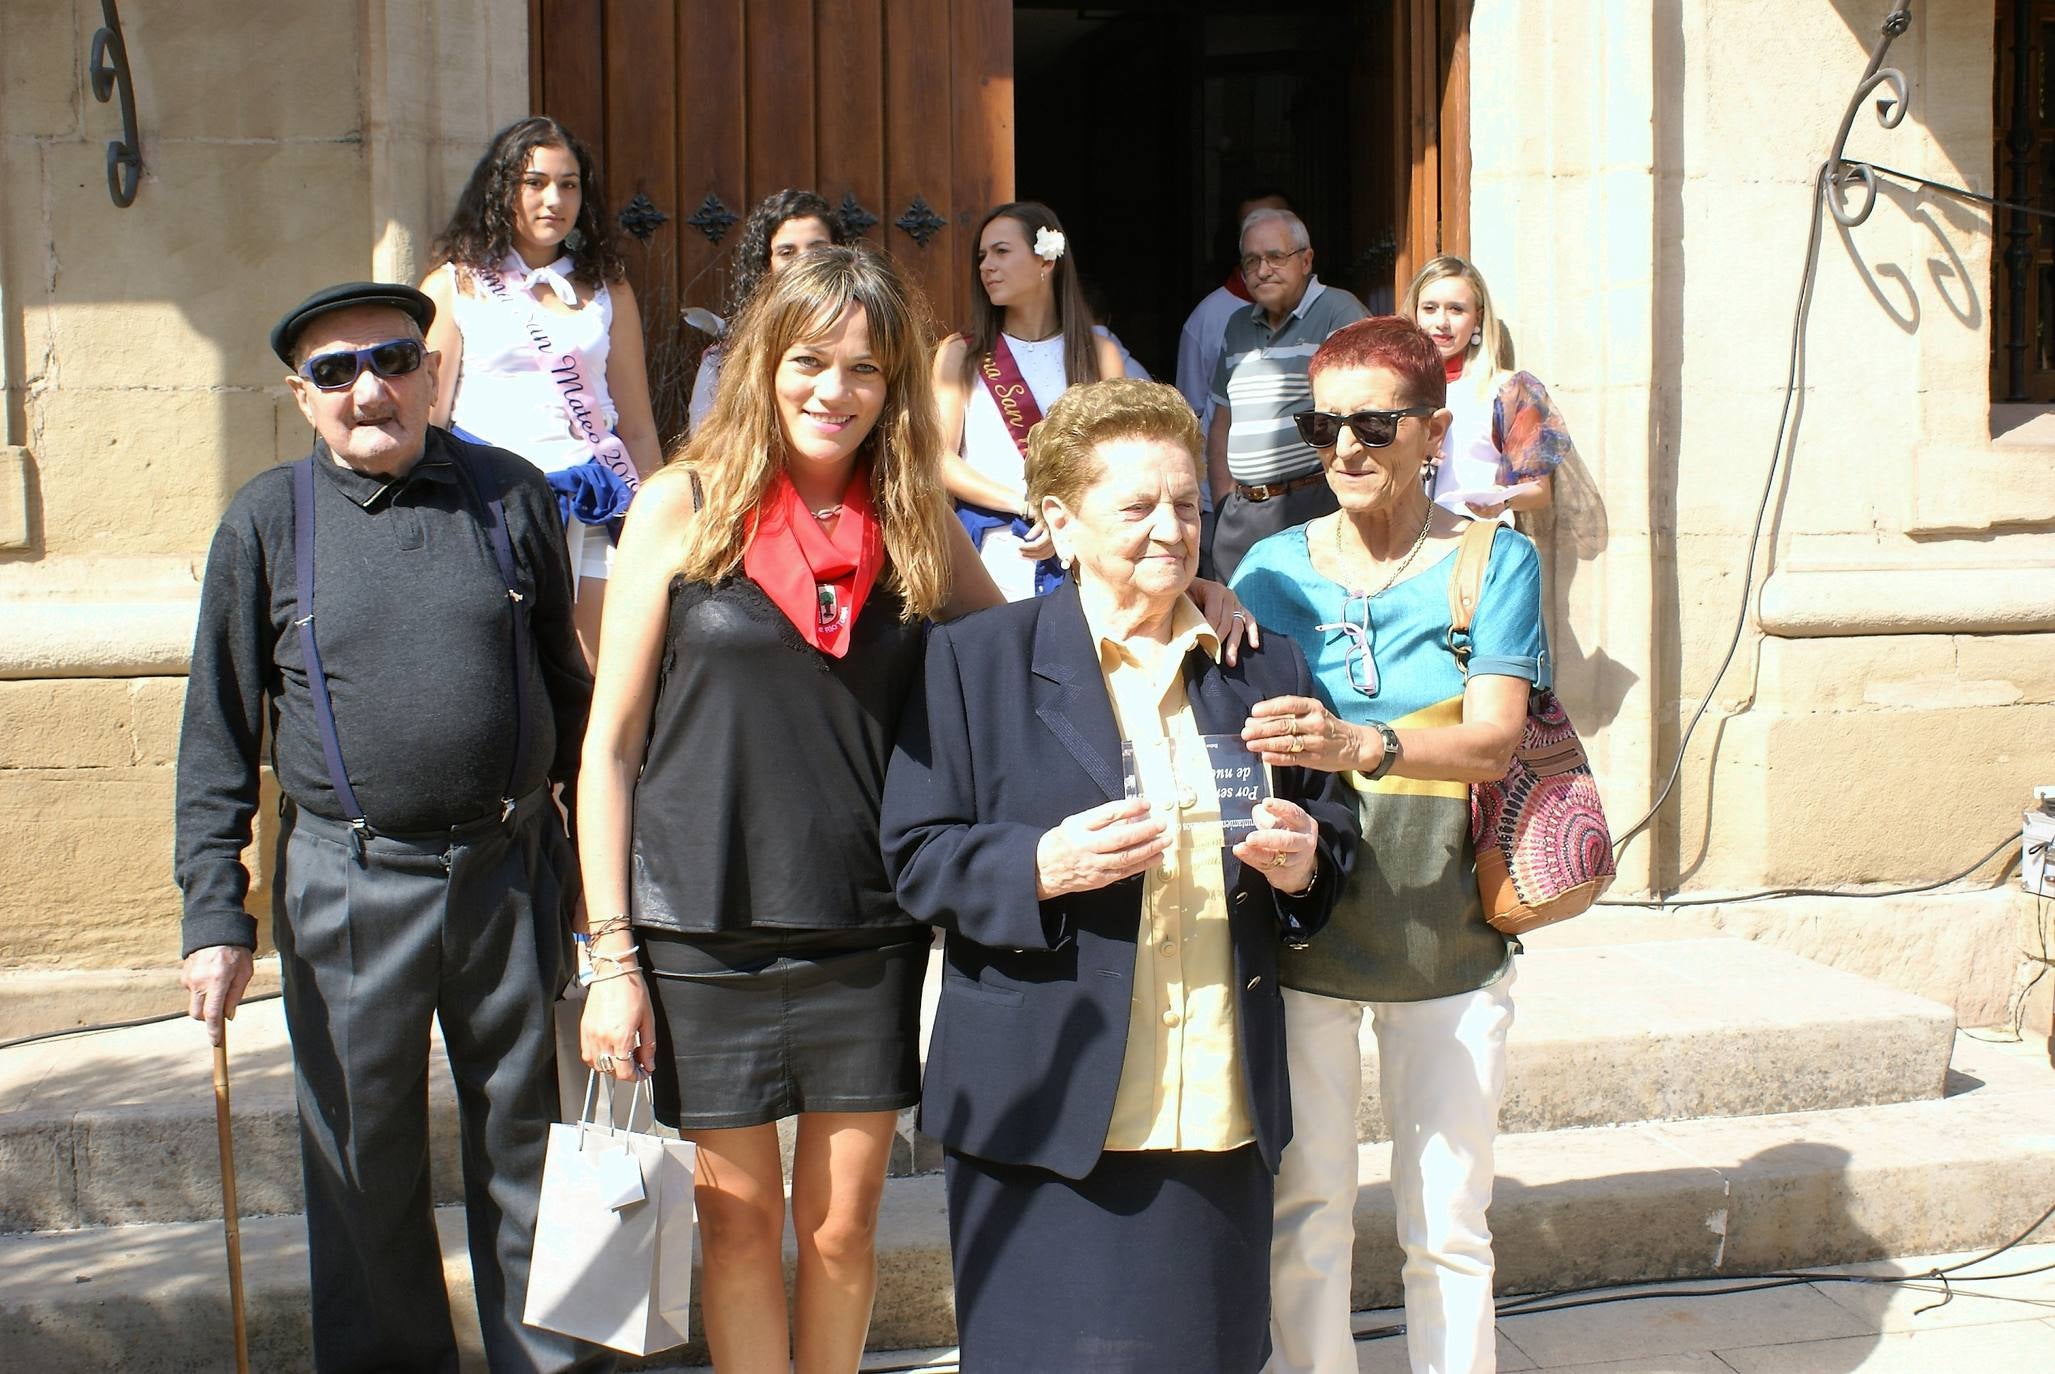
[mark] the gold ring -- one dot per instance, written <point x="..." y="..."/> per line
<point x="1277" y="860"/>
<point x="1296" y="746"/>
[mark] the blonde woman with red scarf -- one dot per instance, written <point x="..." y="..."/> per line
<point x="763" y="631"/>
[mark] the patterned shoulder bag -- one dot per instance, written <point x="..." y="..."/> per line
<point x="1544" y="853"/>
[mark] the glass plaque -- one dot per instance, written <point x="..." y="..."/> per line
<point x="1218" y="784"/>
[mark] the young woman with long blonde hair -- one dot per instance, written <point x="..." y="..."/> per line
<point x="763" y="630"/>
<point x="1506" y="437"/>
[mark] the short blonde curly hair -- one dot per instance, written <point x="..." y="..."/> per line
<point x="1063" y="458"/>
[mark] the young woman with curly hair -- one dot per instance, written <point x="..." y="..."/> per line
<point x="783" y="225"/>
<point x="542" y="340"/>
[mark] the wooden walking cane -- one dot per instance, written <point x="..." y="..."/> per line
<point x="230" y="1213"/>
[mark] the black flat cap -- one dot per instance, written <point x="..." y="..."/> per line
<point x="395" y="294"/>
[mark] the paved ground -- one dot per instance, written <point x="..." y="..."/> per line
<point x="2003" y="1327"/>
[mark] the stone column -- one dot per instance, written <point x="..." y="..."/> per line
<point x="1566" y="211"/>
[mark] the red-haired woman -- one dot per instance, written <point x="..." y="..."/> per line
<point x="1364" y="593"/>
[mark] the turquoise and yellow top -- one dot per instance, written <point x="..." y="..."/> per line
<point x="1409" y="925"/>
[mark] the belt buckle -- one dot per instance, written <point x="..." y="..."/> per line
<point x="1261" y="491"/>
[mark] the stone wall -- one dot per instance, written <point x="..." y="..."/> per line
<point x="284" y="148"/>
<point x="1643" y="181"/>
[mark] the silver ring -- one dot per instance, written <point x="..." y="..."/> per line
<point x="1237" y="615"/>
<point x="606" y="1063"/>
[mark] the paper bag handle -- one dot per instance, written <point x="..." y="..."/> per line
<point x="643" y="1092"/>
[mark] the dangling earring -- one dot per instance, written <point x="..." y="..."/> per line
<point x="575" y="240"/>
<point x="1476" y="337"/>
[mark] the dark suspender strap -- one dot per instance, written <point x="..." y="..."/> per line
<point x="479" y="477"/>
<point x="317" y="681"/>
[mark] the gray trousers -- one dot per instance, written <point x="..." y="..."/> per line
<point x="466" y="927"/>
<point x="1238" y="524"/>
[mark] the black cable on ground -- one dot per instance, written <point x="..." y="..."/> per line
<point x="2011" y="839"/>
<point x="1599" y="1295"/>
<point x="121" y="1025"/>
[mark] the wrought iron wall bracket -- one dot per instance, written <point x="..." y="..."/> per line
<point x="1843" y="173"/>
<point x="111" y="76"/>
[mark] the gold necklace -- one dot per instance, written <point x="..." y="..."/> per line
<point x="1419" y="540"/>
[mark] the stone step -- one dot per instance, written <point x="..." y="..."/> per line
<point x="35" y="1000"/>
<point x="1574" y="1207"/>
<point x="1670" y="1030"/>
<point x="118" y="1127"/>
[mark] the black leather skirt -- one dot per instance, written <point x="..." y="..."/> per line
<point x="760" y="1024"/>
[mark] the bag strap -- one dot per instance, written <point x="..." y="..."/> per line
<point x="303" y="617"/>
<point x="478" y="476"/>
<point x="1466" y="585"/>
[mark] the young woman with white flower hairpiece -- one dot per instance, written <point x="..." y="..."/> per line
<point x="1030" y="339"/>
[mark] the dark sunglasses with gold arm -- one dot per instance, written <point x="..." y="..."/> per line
<point x="1372" y="428"/>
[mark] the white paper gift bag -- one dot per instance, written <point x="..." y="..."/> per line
<point x="613" y="1234"/>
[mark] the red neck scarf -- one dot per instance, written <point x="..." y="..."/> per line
<point x="1453" y="367"/>
<point x="820" y="581"/>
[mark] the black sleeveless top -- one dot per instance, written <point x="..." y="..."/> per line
<point x="759" y="797"/>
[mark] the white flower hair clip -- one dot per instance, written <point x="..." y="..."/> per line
<point x="1049" y="243"/>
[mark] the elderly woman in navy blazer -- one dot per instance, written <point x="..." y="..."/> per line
<point x="1107" y="1072"/>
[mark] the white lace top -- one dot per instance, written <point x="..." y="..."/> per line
<point x="503" y="396"/>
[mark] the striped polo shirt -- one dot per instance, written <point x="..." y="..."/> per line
<point x="1261" y="377"/>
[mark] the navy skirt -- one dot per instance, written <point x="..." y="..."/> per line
<point x="1156" y="1262"/>
<point x="756" y="1025"/>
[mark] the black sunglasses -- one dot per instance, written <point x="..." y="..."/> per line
<point x="1372" y="428"/>
<point x="339" y="371"/>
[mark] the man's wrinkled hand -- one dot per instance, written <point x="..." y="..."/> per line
<point x="216" y="977"/>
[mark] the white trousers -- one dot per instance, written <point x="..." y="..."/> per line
<point x="1442" y="1069"/>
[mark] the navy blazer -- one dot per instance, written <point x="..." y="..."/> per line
<point x="1013" y="732"/>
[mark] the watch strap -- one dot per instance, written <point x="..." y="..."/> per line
<point x="1391" y="749"/>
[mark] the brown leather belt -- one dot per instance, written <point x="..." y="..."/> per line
<point x="1263" y="491"/>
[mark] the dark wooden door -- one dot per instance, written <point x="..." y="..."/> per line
<point x="2023" y="268"/>
<point x="899" y="111"/>
<point x="1430" y="94"/>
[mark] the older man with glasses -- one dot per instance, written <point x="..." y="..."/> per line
<point x="416" y="670"/>
<point x="1265" y="478"/>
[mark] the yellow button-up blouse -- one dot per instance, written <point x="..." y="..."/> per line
<point x="1181" y="1083"/>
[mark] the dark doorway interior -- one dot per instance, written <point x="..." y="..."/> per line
<point x="1143" y="122"/>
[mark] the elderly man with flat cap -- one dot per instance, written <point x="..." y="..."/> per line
<point x="395" y="609"/>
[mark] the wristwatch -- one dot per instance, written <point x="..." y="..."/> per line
<point x="1391" y="749"/>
